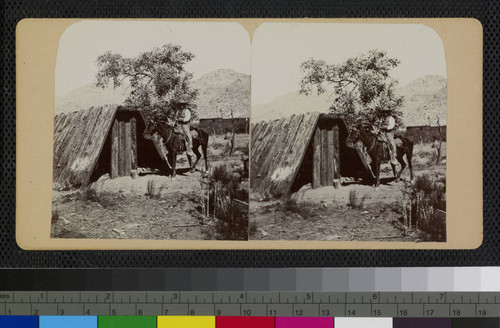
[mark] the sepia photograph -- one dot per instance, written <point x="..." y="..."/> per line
<point x="348" y="133"/>
<point x="151" y="131"/>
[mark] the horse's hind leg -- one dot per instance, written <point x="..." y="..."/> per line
<point x="401" y="161"/>
<point x="198" y="156"/>
<point x="204" y="147"/>
<point x="403" y="165"/>
<point x="409" y="155"/>
<point x="394" y="172"/>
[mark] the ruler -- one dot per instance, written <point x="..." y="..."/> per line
<point x="249" y="303"/>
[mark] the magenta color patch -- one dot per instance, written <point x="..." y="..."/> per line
<point x="301" y="322"/>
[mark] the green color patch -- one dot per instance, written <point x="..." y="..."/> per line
<point x="126" y="322"/>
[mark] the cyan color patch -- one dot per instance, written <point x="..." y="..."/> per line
<point x="68" y="322"/>
<point x="18" y="321"/>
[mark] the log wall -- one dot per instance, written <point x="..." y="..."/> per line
<point x="123" y="146"/>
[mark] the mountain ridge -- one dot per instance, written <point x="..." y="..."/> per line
<point x="425" y="102"/>
<point x="220" y="91"/>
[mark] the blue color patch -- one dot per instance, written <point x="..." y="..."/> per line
<point x="18" y="321"/>
<point x="68" y="322"/>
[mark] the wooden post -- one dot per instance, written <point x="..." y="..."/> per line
<point x="121" y="149"/>
<point x="336" y="152"/>
<point x="128" y="150"/>
<point x="114" y="150"/>
<point x="316" y="182"/>
<point x="133" y="145"/>
<point x="330" y="159"/>
<point x="324" y="158"/>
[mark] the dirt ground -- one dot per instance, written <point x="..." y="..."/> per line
<point x="152" y="206"/>
<point x="327" y="213"/>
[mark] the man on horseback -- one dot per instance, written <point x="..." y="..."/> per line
<point x="386" y="126"/>
<point x="183" y="118"/>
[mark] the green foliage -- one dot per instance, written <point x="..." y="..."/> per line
<point x="157" y="77"/>
<point x="362" y="86"/>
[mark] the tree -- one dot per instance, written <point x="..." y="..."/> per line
<point x="157" y="78"/>
<point x="361" y="85"/>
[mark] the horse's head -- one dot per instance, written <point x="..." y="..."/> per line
<point x="150" y="129"/>
<point x="358" y="133"/>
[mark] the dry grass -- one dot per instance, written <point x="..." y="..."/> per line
<point x="425" y="154"/>
<point x="220" y="147"/>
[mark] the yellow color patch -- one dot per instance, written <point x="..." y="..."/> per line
<point x="186" y="322"/>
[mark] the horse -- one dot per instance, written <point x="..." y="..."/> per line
<point x="175" y="142"/>
<point x="379" y="153"/>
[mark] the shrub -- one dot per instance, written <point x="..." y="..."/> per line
<point x="290" y="205"/>
<point x="354" y="200"/>
<point x="152" y="191"/>
<point x="424" y="206"/>
<point x="90" y="195"/>
<point x="226" y="203"/>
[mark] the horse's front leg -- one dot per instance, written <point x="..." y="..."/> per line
<point x="174" y="162"/>
<point x="396" y="177"/>
<point x="377" y="174"/>
<point x="190" y="161"/>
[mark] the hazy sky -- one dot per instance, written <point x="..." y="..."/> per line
<point x="278" y="49"/>
<point x="215" y="45"/>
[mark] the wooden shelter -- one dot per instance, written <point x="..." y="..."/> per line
<point x="99" y="140"/>
<point x="309" y="148"/>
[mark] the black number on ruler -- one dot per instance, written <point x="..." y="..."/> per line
<point x="374" y="296"/>
<point x="139" y="312"/>
<point x="218" y="312"/>
<point x="457" y="313"/>
<point x="61" y="312"/>
<point x="429" y="312"/>
<point x="35" y="312"/>
<point x="403" y="313"/>
<point x="377" y="313"/>
<point x="308" y="296"/>
<point x="165" y="312"/>
<point x="4" y="296"/>
<point x="272" y="312"/>
<point x="113" y="312"/>
<point x="247" y="312"/>
<point x="351" y="312"/>
<point x="175" y="296"/>
<point x="108" y="296"/>
<point x="481" y="313"/>
<point x="87" y="312"/>
<point x="191" y="312"/>
<point x="325" y="312"/>
<point x="299" y="312"/>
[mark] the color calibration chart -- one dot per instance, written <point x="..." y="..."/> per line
<point x="240" y="322"/>
<point x="294" y="298"/>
